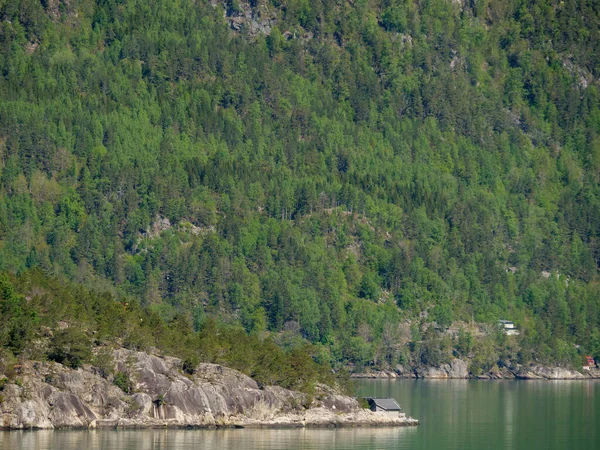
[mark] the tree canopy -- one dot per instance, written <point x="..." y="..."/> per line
<point x="318" y="169"/>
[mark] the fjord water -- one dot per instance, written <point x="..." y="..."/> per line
<point x="508" y="414"/>
<point x="454" y="414"/>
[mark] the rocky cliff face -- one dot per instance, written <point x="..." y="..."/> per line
<point x="49" y="395"/>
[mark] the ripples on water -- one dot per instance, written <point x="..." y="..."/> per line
<point x="454" y="415"/>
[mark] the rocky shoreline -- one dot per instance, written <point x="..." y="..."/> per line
<point x="458" y="369"/>
<point x="46" y="395"/>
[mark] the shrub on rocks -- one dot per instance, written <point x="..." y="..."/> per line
<point x="70" y="347"/>
<point x="123" y="382"/>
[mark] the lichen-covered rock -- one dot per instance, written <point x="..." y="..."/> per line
<point x="53" y="396"/>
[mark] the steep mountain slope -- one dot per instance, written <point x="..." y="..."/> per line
<point x="324" y="169"/>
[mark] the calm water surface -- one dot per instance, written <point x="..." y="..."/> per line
<point x="455" y="414"/>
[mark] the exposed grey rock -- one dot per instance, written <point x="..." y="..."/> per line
<point x="68" y="410"/>
<point x="254" y="20"/>
<point x="27" y="414"/>
<point x="54" y="396"/>
<point x="433" y="371"/>
<point x="376" y="374"/>
<point x="458" y="369"/>
<point x="549" y="373"/>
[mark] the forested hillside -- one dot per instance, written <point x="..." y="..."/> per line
<point x="322" y="171"/>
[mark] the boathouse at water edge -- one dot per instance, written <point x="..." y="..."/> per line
<point x="388" y="406"/>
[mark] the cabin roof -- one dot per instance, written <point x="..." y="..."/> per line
<point x="389" y="404"/>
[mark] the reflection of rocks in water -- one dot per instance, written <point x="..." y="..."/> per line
<point x="206" y="439"/>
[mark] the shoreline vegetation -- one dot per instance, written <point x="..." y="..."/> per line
<point x="63" y="365"/>
<point x="57" y="322"/>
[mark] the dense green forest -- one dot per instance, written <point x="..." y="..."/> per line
<point x="321" y="173"/>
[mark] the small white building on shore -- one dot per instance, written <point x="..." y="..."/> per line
<point x="509" y="328"/>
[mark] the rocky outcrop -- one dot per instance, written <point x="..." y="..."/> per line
<point x="245" y="17"/>
<point x="49" y="395"/>
<point x="458" y="369"/>
<point x="554" y="373"/>
<point x="377" y="374"/>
